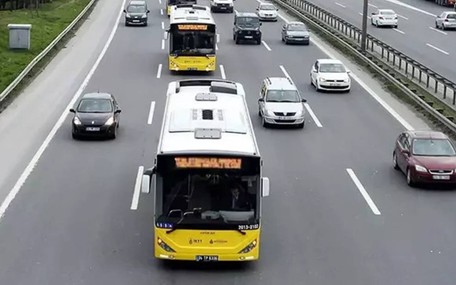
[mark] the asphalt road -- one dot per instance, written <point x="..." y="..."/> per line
<point x="416" y="35"/>
<point x="71" y="222"/>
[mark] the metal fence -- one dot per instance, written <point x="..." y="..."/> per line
<point x="443" y="88"/>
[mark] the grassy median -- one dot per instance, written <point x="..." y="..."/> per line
<point x="47" y="23"/>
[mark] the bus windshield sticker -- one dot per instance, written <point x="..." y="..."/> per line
<point x="193" y="27"/>
<point x="208" y="162"/>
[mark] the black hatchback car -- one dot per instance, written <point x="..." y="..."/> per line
<point x="246" y="27"/>
<point x="96" y="114"/>
<point x="136" y="13"/>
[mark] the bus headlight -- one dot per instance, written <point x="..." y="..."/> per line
<point x="249" y="248"/>
<point x="163" y="245"/>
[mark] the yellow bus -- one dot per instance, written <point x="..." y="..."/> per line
<point x="192" y="39"/>
<point x="207" y="179"/>
<point x="171" y="3"/>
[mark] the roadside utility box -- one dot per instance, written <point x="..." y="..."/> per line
<point x="19" y="36"/>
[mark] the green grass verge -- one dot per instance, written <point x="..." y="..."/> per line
<point x="47" y="23"/>
<point x="386" y="84"/>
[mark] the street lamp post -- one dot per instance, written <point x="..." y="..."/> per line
<point x="364" y="33"/>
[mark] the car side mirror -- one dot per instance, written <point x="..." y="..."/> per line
<point x="72" y="110"/>
<point x="261" y="100"/>
<point x="348" y="71"/>
<point x="264" y="186"/>
<point x="277" y="9"/>
<point x="148" y="11"/>
<point x="304" y="100"/>
<point x="118" y="111"/>
<point x="125" y="11"/>
<point x="283" y="28"/>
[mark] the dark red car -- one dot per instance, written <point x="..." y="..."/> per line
<point x="425" y="157"/>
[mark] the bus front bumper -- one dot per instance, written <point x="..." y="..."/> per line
<point x="192" y="63"/>
<point x="252" y="256"/>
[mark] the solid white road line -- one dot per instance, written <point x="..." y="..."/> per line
<point x="372" y="5"/>
<point x="363" y="191"/>
<point x="28" y="170"/>
<point x="411" y="7"/>
<point x="369" y="90"/>
<point x="163" y="44"/>
<point x="266" y="45"/>
<point x="362" y="14"/>
<point x="159" y="71"/>
<point x="340" y="5"/>
<point x="313" y="116"/>
<point x="161" y="11"/>
<point x="151" y="113"/>
<point x="163" y="25"/>
<point x="222" y="71"/>
<point x="285" y="72"/>
<point x="437" y="49"/>
<point x="159" y="1"/>
<point x="434" y="29"/>
<point x="216" y="46"/>
<point x="218" y="38"/>
<point x="137" y="190"/>
<point x="164" y="35"/>
<point x="399" y="31"/>
<point x="400" y="16"/>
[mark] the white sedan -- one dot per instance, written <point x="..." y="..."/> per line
<point x="384" y="17"/>
<point x="267" y="11"/>
<point x="330" y="75"/>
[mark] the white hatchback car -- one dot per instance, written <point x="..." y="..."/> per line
<point x="384" y="17"/>
<point x="446" y="20"/>
<point x="267" y="12"/>
<point x="330" y="75"/>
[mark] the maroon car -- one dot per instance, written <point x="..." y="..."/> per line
<point x="425" y="157"/>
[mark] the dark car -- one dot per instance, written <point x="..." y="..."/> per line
<point x="295" y="32"/>
<point x="136" y="13"/>
<point x="96" y="114"/>
<point x="246" y="27"/>
<point x="425" y="157"/>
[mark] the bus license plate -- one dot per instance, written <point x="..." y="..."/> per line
<point x="206" y="258"/>
<point x="441" y="177"/>
<point x="92" y="129"/>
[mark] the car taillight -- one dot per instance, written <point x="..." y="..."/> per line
<point x="446" y="20"/>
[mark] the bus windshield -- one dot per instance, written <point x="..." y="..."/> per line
<point x="192" y="42"/>
<point x="214" y="198"/>
<point x="179" y="2"/>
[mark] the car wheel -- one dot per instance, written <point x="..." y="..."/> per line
<point x="263" y="122"/>
<point x="286" y="42"/>
<point x="410" y="181"/>
<point x="396" y="26"/>
<point x="443" y="27"/>
<point x="436" y="25"/>
<point x="395" y="161"/>
<point x="75" y="136"/>
<point x="259" y="112"/>
<point x="258" y="42"/>
<point x="114" y="134"/>
<point x="237" y="40"/>
<point x="234" y="37"/>
<point x="316" y="87"/>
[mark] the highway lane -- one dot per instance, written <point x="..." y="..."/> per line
<point x="72" y="224"/>
<point x="415" y="36"/>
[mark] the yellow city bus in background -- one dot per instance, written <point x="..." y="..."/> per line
<point x="207" y="179"/>
<point x="192" y="39"/>
<point x="171" y="3"/>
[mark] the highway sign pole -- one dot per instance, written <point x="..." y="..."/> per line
<point x="364" y="34"/>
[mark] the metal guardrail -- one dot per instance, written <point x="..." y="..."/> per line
<point x="412" y="69"/>
<point x="40" y="56"/>
<point x="344" y="32"/>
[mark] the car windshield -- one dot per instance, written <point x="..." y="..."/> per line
<point x="284" y="96"/>
<point x="267" y="7"/>
<point x="297" y="28"/>
<point x="136" y="9"/>
<point x="332" y="68"/>
<point x="451" y="16"/>
<point x="433" y="147"/>
<point x="248" y="21"/>
<point x="95" y="106"/>
<point x="387" y="13"/>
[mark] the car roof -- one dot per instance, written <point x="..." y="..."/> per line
<point x="427" y="134"/>
<point x="137" y="2"/>
<point x="97" y="95"/>
<point x="283" y="83"/>
<point x="266" y="4"/>
<point x="329" y="60"/>
<point x="296" y="23"/>
<point x="246" y="14"/>
<point x="386" y="10"/>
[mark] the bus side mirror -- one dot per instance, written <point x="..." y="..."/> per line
<point x="264" y="186"/>
<point x="146" y="180"/>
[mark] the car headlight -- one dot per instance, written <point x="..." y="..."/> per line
<point x="347" y="80"/>
<point x="128" y="15"/>
<point x="420" y="168"/>
<point x="249" y="248"/>
<point x="76" y="121"/>
<point x="110" y="121"/>
<point x="144" y="16"/>
<point x="163" y="245"/>
<point x="321" y="79"/>
<point x="269" y="113"/>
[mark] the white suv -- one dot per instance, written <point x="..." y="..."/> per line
<point x="222" y="6"/>
<point x="280" y="103"/>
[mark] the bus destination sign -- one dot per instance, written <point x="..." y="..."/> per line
<point x="208" y="162"/>
<point x="192" y="27"/>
